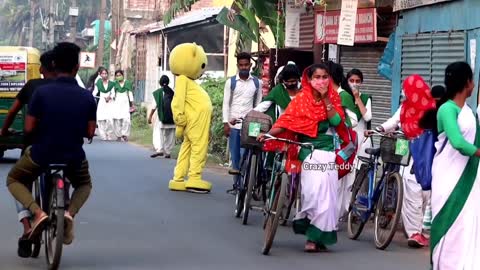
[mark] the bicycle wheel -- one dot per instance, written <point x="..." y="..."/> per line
<point x="274" y="214"/>
<point x="55" y="228"/>
<point x="355" y="223"/>
<point x="252" y="180"/>
<point x="240" y="196"/>
<point x="292" y="196"/>
<point x="388" y="211"/>
<point x="37" y="243"/>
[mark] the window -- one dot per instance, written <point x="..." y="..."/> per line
<point x="429" y="54"/>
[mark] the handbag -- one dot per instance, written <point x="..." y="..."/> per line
<point x="423" y="151"/>
<point x="345" y="152"/>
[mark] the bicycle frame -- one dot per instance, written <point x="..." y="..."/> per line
<point x="374" y="189"/>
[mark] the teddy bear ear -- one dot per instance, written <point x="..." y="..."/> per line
<point x="195" y="46"/>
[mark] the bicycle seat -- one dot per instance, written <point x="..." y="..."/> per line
<point x="373" y="151"/>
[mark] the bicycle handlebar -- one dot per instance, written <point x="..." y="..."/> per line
<point x="385" y="134"/>
<point x="270" y="138"/>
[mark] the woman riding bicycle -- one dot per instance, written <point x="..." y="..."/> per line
<point x="314" y="115"/>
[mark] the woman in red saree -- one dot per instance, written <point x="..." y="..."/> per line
<point x="316" y="116"/>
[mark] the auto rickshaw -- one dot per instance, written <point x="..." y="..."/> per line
<point x="17" y="66"/>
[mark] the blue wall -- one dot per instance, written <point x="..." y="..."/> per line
<point x="456" y="15"/>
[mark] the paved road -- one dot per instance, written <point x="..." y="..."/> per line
<point x="132" y="221"/>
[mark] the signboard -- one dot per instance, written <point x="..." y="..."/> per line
<point x="337" y="5"/>
<point x="13" y="71"/>
<point x="348" y="18"/>
<point x="87" y="60"/>
<point x="408" y="4"/>
<point x="292" y="24"/>
<point x="365" y="26"/>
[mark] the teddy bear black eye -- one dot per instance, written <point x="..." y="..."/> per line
<point x="203" y="65"/>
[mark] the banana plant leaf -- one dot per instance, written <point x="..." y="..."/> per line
<point x="240" y="23"/>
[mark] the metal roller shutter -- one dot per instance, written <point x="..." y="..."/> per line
<point x="429" y="54"/>
<point x="366" y="59"/>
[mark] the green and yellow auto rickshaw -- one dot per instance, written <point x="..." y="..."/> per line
<point x="17" y="66"/>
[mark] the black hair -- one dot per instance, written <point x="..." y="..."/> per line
<point x="46" y="60"/>
<point x="66" y="57"/>
<point x="311" y="69"/>
<point x="164" y="80"/>
<point x="457" y="75"/>
<point x="355" y="72"/>
<point x="438" y="91"/>
<point x="290" y="72"/>
<point x="244" y="56"/>
<point x="336" y="72"/>
<point x="119" y="71"/>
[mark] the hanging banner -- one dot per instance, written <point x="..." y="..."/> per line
<point x="365" y="26"/>
<point x="348" y="19"/>
<point x="292" y="24"/>
<point x="13" y="71"/>
<point x="408" y="4"/>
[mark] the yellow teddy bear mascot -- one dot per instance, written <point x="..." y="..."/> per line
<point x="192" y="113"/>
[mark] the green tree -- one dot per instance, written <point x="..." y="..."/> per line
<point x="244" y="20"/>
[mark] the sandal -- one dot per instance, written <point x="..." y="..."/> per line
<point x="38" y="226"/>
<point x="24" y="246"/>
<point x="310" y="247"/>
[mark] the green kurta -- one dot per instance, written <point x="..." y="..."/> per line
<point x="279" y="96"/>
<point x="127" y="86"/>
<point x="158" y="97"/>
<point x="111" y="85"/>
<point x="323" y="141"/>
<point x="348" y="102"/>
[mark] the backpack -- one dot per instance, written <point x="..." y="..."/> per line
<point x="233" y="85"/>
<point x="423" y="151"/>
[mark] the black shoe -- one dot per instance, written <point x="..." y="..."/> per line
<point x="233" y="172"/>
<point x="167" y="156"/>
<point x="24" y="247"/>
<point x="156" y="155"/>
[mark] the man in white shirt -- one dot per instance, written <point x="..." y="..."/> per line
<point x="242" y="93"/>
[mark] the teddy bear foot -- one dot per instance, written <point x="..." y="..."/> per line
<point x="198" y="186"/>
<point x="177" y="185"/>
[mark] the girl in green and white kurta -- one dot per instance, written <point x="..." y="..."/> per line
<point x="104" y="89"/>
<point x="316" y="114"/>
<point x="123" y="105"/>
<point x="275" y="103"/>
<point x="358" y="110"/>
<point x="455" y="231"/>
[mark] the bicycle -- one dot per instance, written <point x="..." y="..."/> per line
<point x="51" y="193"/>
<point x="383" y="197"/>
<point x="285" y="187"/>
<point x="250" y="182"/>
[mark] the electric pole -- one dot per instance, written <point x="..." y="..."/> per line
<point x="101" y="35"/>
<point x="73" y="12"/>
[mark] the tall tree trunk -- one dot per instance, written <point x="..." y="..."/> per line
<point x="115" y="26"/>
<point x="33" y="9"/>
<point x="51" y="30"/>
<point x="101" y="34"/>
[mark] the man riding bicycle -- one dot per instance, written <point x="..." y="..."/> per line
<point x="60" y="115"/>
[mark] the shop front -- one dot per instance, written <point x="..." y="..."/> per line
<point x="372" y="28"/>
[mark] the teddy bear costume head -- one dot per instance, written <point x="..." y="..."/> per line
<point x="188" y="59"/>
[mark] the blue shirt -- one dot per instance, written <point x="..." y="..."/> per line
<point x="63" y="110"/>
